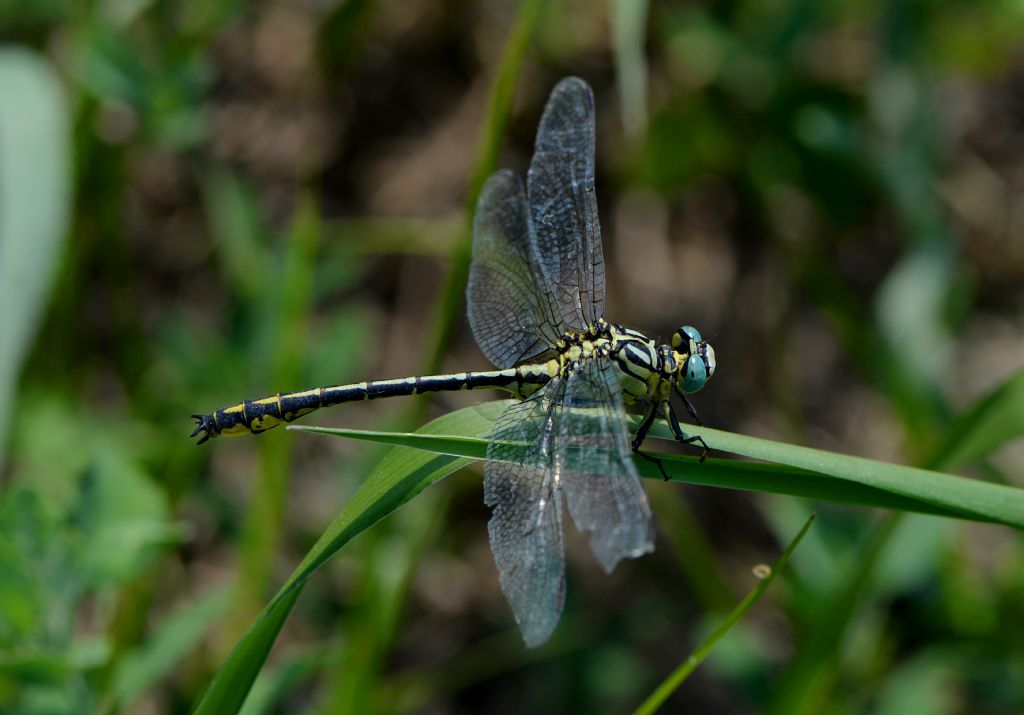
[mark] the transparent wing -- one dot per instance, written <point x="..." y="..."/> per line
<point x="570" y="436"/>
<point x="525" y="529"/>
<point x="598" y="474"/>
<point x="563" y="207"/>
<point x="511" y="309"/>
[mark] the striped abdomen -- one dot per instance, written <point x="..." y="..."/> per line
<point x="262" y="414"/>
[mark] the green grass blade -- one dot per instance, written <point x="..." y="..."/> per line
<point x="805" y="472"/>
<point x="231" y="685"/>
<point x="680" y="674"/>
<point x="35" y="198"/>
<point x="276" y="683"/>
<point x="993" y="421"/>
<point x="968" y="498"/>
<point x="629" y="31"/>
<point x="401" y="475"/>
<point x="809" y="679"/>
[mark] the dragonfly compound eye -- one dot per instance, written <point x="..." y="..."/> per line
<point x="686" y="336"/>
<point x="695" y="374"/>
<point x="709" y="358"/>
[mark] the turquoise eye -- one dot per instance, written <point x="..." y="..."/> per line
<point x="685" y="337"/>
<point x="695" y="374"/>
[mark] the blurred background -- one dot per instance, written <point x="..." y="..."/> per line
<point x="202" y="201"/>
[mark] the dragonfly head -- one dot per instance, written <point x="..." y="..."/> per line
<point x="699" y="365"/>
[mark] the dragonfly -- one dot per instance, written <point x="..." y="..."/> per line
<point x="535" y="302"/>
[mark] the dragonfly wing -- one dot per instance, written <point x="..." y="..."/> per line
<point x="601" y="483"/>
<point x="511" y="308"/>
<point x="522" y="488"/>
<point x="563" y="206"/>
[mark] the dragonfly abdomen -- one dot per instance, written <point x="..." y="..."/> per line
<point x="259" y="415"/>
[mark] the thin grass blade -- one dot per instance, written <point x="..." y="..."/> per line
<point x="680" y="674"/>
<point x="990" y="423"/>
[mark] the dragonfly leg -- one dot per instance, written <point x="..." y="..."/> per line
<point x="638" y="440"/>
<point x="689" y="405"/>
<point x="677" y="430"/>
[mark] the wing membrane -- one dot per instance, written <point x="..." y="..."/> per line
<point x="525" y="529"/>
<point x="571" y="436"/>
<point x="538" y="265"/>
<point x="563" y="206"/>
<point x="600" y="480"/>
<point x="538" y="272"/>
<point x="511" y="308"/>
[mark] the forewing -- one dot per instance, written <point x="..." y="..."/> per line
<point x="563" y="206"/>
<point x="525" y="529"/>
<point x="599" y="477"/>
<point x="511" y="309"/>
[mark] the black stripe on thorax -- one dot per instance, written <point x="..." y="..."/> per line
<point x="627" y="367"/>
<point x="639" y="354"/>
<point x="628" y="356"/>
<point x="630" y="333"/>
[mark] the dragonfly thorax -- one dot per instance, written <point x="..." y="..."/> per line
<point x="647" y="370"/>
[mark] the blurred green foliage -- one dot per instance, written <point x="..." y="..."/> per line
<point x="202" y="201"/>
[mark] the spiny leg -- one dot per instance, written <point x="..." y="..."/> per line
<point x="677" y="430"/>
<point x="689" y="406"/>
<point x="638" y="440"/>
